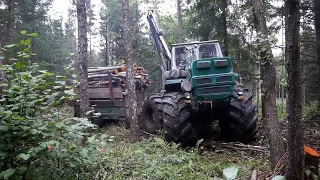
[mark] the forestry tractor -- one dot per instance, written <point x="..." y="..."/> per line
<point x="199" y="89"/>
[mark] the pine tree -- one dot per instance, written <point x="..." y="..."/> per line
<point x="131" y="101"/>
<point x="269" y="84"/>
<point x="295" y="165"/>
<point x="82" y="56"/>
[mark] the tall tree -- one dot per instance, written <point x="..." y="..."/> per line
<point x="317" y="28"/>
<point x="269" y="84"/>
<point x="82" y="56"/>
<point x="295" y="136"/>
<point x="179" y="11"/>
<point x="224" y="7"/>
<point x="132" y="98"/>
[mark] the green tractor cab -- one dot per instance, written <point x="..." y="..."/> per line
<point x="200" y="89"/>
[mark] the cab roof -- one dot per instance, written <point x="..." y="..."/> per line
<point x="195" y="42"/>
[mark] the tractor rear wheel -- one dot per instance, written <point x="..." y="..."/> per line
<point x="177" y="123"/>
<point x="241" y="121"/>
<point x="152" y="114"/>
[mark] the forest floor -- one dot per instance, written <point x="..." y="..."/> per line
<point x="156" y="159"/>
<point x="153" y="156"/>
<point x="160" y="160"/>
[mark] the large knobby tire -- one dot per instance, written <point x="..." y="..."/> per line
<point x="152" y="114"/>
<point x="177" y="119"/>
<point x="241" y="121"/>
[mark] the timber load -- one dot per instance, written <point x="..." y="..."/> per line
<point x="115" y="76"/>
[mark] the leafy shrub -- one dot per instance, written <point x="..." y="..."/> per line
<point x="312" y="111"/>
<point x="37" y="139"/>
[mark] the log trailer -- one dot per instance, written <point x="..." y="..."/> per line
<point x="108" y="92"/>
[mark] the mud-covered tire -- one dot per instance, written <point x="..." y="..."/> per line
<point x="241" y="121"/>
<point x="177" y="121"/>
<point x="152" y="114"/>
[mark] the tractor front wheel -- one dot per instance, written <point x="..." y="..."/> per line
<point x="241" y="120"/>
<point x="177" y="123"/>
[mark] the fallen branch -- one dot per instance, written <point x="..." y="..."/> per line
<point x="243" y="147"/>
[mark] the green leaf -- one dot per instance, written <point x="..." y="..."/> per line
<point x="7" y="173"/>
<point x="24" y="156"/>
<point x="26" y="50"/>
<point x="159" y="141"/>
<point x="308" y="172"/>
<point x="10" y="45"/>
<point x="23" y="32"/>
<point x="279" y="178"/>
<point x="22" y="169"/>
<point x="59" y="125"/>
<point x="33" y="34"/>
<point x="3" y="85"/>
<point x="21" y="64"/>
<point x="3" y="154"/>
<point x="69" y="92"/>
<point x="61" y="77"/>
<point x="47" y="74"/>
<point x="27" y="42"/>
<point x="4" y="128"/>
<point x="315" y="177"/>
<point x="230" y="173"/>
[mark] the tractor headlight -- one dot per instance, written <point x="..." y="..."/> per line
<point x="185" y="85"/>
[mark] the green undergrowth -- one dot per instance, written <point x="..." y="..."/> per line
<point x="39" y="138"/>
<point x="154" y="158"/>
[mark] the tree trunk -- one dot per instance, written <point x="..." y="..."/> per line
<point x="132" y="99"/>
<point x="10" y="21"/>
<point x="179" y="21"/>
<point x="295" y="137"/>
<point x="224" y="26"/>
<point x="317" y="28"/>
<point x="82" y="66"/>
<point x="268" y="86"/>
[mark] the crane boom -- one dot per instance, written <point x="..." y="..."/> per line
<point x="159" y="41"/>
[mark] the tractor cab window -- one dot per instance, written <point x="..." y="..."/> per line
<point x="207" y="51"/>
<point x="185" y="55"/>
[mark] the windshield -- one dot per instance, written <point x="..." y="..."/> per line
<point x="186" y="54"/>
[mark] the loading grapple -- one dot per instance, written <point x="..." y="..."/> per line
<point x="199" y="89"/>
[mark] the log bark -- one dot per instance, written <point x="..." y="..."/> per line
<point x="294" y="167"/>
<point x="82" y="63"/>
<point x="269" y="108"/>
<point x="131" y="101"/>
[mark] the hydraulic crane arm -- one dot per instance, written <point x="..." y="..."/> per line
<point x="160" y="44"/>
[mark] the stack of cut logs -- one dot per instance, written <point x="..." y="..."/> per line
<point x="98" y="77"/>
